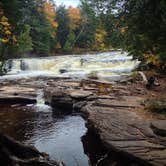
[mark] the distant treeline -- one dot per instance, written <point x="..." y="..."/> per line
<point x="40" y="27"/>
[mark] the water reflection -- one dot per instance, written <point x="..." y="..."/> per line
<point x="64" y="137"/>
<point x="57" y="135"/>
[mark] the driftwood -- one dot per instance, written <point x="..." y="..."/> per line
<point x="13" y="153"/>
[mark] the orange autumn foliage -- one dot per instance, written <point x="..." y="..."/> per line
<point x="74" y="16"/>
<point x="50" y="13"/>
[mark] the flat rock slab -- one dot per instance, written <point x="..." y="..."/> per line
<point x="159" y="127"/>
<point x="80" y="94"/>
<point x="11" y="89"/>
<point x="17" y="95"/>
<point x="114" y="117"/>
<point x="123" y="101"/>
<point x="126" y="132"/>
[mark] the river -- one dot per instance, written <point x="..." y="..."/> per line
<point x="64" y="137"/>
<point x="110" y="66"/>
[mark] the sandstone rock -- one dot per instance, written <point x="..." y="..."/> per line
<point x="17" y="100"/>
<point x="159" y="127"/>
<point x="80" y="94"/>
<point x="127" y="133"/>
<point x="114" y="117"/>
<point x="17" y="95"/>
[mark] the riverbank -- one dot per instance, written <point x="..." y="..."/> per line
<point x="117" y="114"/>
<point x="115" y="111"/>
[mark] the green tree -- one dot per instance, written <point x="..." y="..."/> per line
<point x="88" y="26"/>
<point x="24" y="42"/>
<point x="146" y="30"/>
<point x="69" y="41"/>
<point x="63" y="25"/>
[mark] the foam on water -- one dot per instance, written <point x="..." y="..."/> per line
<point x="108" y="65"/>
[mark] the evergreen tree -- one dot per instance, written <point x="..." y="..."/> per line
<point x="63" y="25"/>
<point x="70" y="41"/>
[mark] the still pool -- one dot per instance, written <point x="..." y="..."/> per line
<point x="63" y="137"/>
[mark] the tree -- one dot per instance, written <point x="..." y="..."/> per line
<point x="63" y="25"/>
<point x="39" y="15"/>
<point x="137" y="26"/>
<point x="24" y="41"/>
<point x="6" y="37"/>
<point x="146" y="29"/>
<point x="88" y="26"/>
<point x="69" y="41"/>
<point x="99" y="39"/>
<point x="74" y="17"/>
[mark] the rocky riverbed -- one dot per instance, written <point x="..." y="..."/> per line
<point x="115" y="111"/>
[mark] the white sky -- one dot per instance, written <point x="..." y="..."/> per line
<point x="67" y="3"/>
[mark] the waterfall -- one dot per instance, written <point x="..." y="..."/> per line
<point x="40" y="104"/>
<point x="107" y="66"/>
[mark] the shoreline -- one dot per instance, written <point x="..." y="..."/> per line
<point x="114" y="111"/>
<point x="121" y="127"/>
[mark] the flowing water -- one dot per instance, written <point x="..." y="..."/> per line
<point x="106" y="66"/>
<point x="59" y="136"/>
<point x="64" y="137"/>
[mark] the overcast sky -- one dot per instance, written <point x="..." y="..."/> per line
<point x="73" y="3"/>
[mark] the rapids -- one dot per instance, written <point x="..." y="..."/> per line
<point x="110" y="66"/>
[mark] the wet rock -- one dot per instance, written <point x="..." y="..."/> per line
<point x="77" y="106"/>
<point x="58" y="98"/>
<point x="16" y="100"/>
<point x="13" y="153"/>
<point x="113" y="116"/>
<point x="63" y="71"/>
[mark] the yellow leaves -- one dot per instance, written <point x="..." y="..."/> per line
<point x="152" y="59"/>
<point x="7" y="32"/>
<point x="4" y="21"/>
<point x="74" y="16"/>
<point x="123" y="29"/>
<point x="99" y="38"/>
<point x="5" y="29"/>
<point x="4" y="40"/>
<point x="49" y="9"/>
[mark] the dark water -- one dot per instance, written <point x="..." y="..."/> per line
<point x="63" y="137"/>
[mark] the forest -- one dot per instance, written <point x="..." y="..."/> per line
<point x="83" y="85"/>
<point x="40" y="28"/>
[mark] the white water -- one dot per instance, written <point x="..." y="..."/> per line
<point x="40" y="105"/>
<point x="105" y="66"/>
